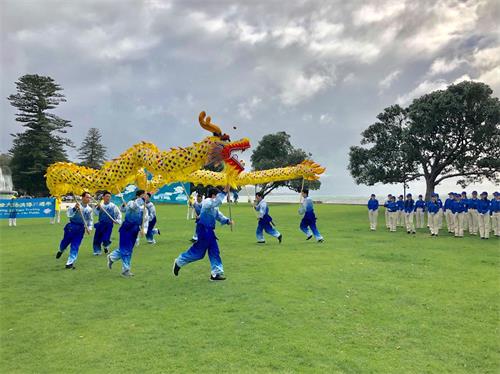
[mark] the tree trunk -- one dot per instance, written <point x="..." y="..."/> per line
<point x="430" y="184"/>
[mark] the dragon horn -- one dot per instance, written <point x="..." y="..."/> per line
<point x="207" y="125"/>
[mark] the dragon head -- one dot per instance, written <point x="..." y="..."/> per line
<point x="223" y="149"/>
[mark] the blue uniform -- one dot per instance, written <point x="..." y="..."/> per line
<point x="472" y="203"/>
<point x="197" y="209"/>
<point x="12" y="210"/>
<point x="483" y="206"/>
<point x="458" y="207"/>
<point x="372" y="204"/>
<point x="392" y="206"/>
<point x="134" y="215"/>
<point x="74" y="231"/>
<point x="432" y="207"/>
<point x="265" y="222"/>
<point x="308" y="223"/>
<point x="409" y="206"/>
<point x="419" y="204"/>
<point x="207" y="241"/>
<point x="400" y="204"/>
<point x="419" y="213"/>
<point x="373" y="213"/>
<point x="104" y="227"/>
<point x="151" y="223"/>
<point x="447" y="204"/>
<point x="494" y="206"/>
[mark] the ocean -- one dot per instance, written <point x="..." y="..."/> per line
<point x="325" y="199"/>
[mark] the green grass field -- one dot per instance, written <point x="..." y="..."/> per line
<point x="362" y="302"/>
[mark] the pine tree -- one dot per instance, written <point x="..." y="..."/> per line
<point x="92" y="152"/>
<point x="41" y="144"/>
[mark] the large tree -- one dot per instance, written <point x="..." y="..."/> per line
<point x="446" y="134"/>
<point x="41" y="144"/>
<point x="276" y="151"/>
<point x="92" y="153"/>
<point x="386" y="161"/>
<point x="456" y="133"/>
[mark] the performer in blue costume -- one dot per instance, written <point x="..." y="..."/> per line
<point x="109" y="214"/>
<point x="152" y="230"/>
<point x="136" y="215"/>
<point x="308" y="223"/>
<point x="265" y="220"/>
<point x="207" y="241"/>
<point x="80" y="220"/>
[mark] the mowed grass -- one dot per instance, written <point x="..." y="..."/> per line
<point x="362" y="302"/>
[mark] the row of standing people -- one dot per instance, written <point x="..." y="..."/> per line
<point x="478" y="215"/>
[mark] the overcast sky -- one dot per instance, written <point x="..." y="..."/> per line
<point x="319" y="70"/>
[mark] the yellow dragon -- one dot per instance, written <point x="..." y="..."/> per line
<point x="174" y="165"/>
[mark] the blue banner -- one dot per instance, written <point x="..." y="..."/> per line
<point x="27" y="208"/>
<point x="169" y="194"/>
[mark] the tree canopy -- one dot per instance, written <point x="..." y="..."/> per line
<point x="276" y="151"/>
<point x="42" y="143"/>
<point x="445" y="134"/>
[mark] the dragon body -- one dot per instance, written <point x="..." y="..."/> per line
<point x="174" y="165"/>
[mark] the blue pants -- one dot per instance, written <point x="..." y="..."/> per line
<point x="73" y="234"/>
<point x="151" y="230"/>
<point x="267" y="227"/>
<point x="207" y="241"/>
<point x="308" y="226"/>
<point x="128" y="235"/>
<point x="102" y="235"/>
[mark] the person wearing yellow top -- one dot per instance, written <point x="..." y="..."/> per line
<point x="57" y="213"/>
<point x="191" y="212"/>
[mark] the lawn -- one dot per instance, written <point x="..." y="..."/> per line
<point x="361" y="302"/>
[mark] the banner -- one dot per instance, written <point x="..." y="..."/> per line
<point x="169" y="194"/>
<point x="27" y="208"/>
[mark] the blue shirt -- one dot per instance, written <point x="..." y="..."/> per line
<point x="307" y="206"/>
<point x="400" y="204"/>
<point x="473" y="203"/>
<point x="409" y="206"/>
<point x="392" y="206"/>
<point x="372" y="204"/>
<point x="262" y="208"/>
<point x="112" y="210"/>
<point x="419" y="204"/>
<point x="447" y="203"/>
<point x="458" y="207"/>
<point x="151" y="210"/>
<point x="210" y="212"/>
<point x="134" y="211"/>
<point x="432" y="207"/>
<point x="494" y="206"/>
<point x="483" y="206"/>
<point x="76" y="218"/>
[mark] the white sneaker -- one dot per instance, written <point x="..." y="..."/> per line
<point x="127" y="274"/>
